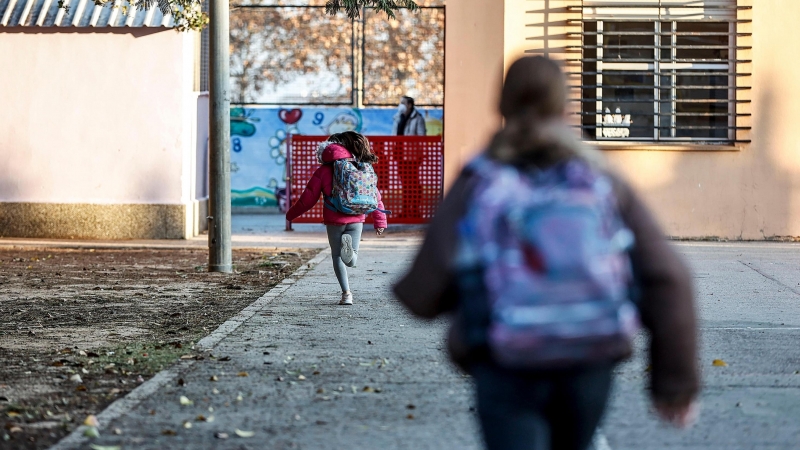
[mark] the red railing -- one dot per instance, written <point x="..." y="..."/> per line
<point x="410" y="173"/>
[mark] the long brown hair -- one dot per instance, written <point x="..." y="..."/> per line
<point x="533" y="103"/>
<point x="356" y="144"/>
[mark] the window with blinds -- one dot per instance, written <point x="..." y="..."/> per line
<point x="661" y="70"/>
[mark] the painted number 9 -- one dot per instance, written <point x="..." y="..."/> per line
<point x="318" y="118"/>
<point x="237" y="145"/>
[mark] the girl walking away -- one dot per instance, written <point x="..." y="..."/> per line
<point x="349" y="186"/>
<point x="549" y="262"/>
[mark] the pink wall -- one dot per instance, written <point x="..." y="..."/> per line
<point x="97" y="117"/>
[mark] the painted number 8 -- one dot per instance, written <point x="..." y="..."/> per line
<point x="237" y="145"/>
<point x="318" y="118"/>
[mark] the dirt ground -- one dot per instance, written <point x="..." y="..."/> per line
<point x="80" y="328"/>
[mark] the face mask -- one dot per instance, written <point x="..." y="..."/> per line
<point x="401" y="108"/>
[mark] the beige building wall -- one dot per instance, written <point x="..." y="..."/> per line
<point x="99" y="134"/>
<point x="749" y="192"/>
<point x="473" y="77"/>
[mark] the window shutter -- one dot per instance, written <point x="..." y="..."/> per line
<point x="667" y="71"/>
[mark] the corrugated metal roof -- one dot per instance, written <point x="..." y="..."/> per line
<point x="81" y="13"/>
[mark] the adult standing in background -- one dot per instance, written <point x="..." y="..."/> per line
<point x="409" y="122"/>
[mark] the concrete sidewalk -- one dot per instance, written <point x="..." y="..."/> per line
<point x="319" y="375"/>
<point x="322" y="376"/>
<point x="247" y="231"/>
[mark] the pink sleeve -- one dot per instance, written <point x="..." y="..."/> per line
<point x="378" y="217"/>
<point x="308" y="198"/>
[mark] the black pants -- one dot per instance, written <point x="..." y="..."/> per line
<point x="552" y="410"/>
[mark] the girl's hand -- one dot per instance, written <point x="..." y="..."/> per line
<point x="679" y="415"/>
<point x="379" y="231"/>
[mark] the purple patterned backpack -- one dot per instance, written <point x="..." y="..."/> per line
<point x="355" y="188"/>
<point x="543" y="267"/>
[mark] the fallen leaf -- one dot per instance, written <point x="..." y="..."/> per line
<point x="187" y="357"/>
<point x="244" y="434"/>
<point x="117" y="431"/>
<point x="367" y="389"/>
<point x="91" y="432"/>
<point x="104" y="447"/>
<point x="316" y="372"/>
<point x="221" y="435"/>
<point x="92" y="355"/>
<point x="168" y="432"/>
<point x="410" y="417"/>
<point x="224" y="358"/>
<point x="321" y="422"/>
<point x="91" y="421"/>
<point x="81" y="388"/>
<point x="320" y="391"/>
<point x="719" y="363"/>
<point x="76" y="379"/>
<point x="213" y="378"/>
<point x="12" y="414"/>
<point x="215" y="391"/>
<point x="185" y="401"/>
<point x="410" y="406"/>
<point x="243" y="374"/>
<point x="15" y="430"/>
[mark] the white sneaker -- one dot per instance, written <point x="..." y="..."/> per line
<point x="347" y="249"/>
<point x="347" y="298"/>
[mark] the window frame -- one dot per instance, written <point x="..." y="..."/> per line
<point x="658" y="67"/>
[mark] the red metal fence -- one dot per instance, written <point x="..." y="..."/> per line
<point x="410" y="173"/>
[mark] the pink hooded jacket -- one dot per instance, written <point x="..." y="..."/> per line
<point x="322" y="183"/>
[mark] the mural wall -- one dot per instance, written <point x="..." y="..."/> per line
<point x="258" y="143"/>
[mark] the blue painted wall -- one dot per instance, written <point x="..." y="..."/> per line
<point x="258" y="142"/>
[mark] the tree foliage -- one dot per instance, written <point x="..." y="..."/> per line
<point x="271" y="47"/>
<point x="294" y="55"/>
<point x="353" y="7"/>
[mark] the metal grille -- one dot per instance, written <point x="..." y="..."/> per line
<point x="661" y="70"/>
<point x="410" y="175"/>
<point x="291" y="55"/>
<point x="203" y="61"/>
<point x="404" y="57"/>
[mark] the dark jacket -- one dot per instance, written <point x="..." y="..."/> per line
<point x="667" y="298"/>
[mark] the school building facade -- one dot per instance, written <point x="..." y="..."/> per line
<point x="695" y="102"/>
<point x="103" y="123"/>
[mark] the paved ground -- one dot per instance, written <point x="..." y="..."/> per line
<point x="248" y="231"/>
<point x="320" y="376"/>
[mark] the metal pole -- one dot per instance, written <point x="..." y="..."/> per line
<point x="219" y="222"/>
